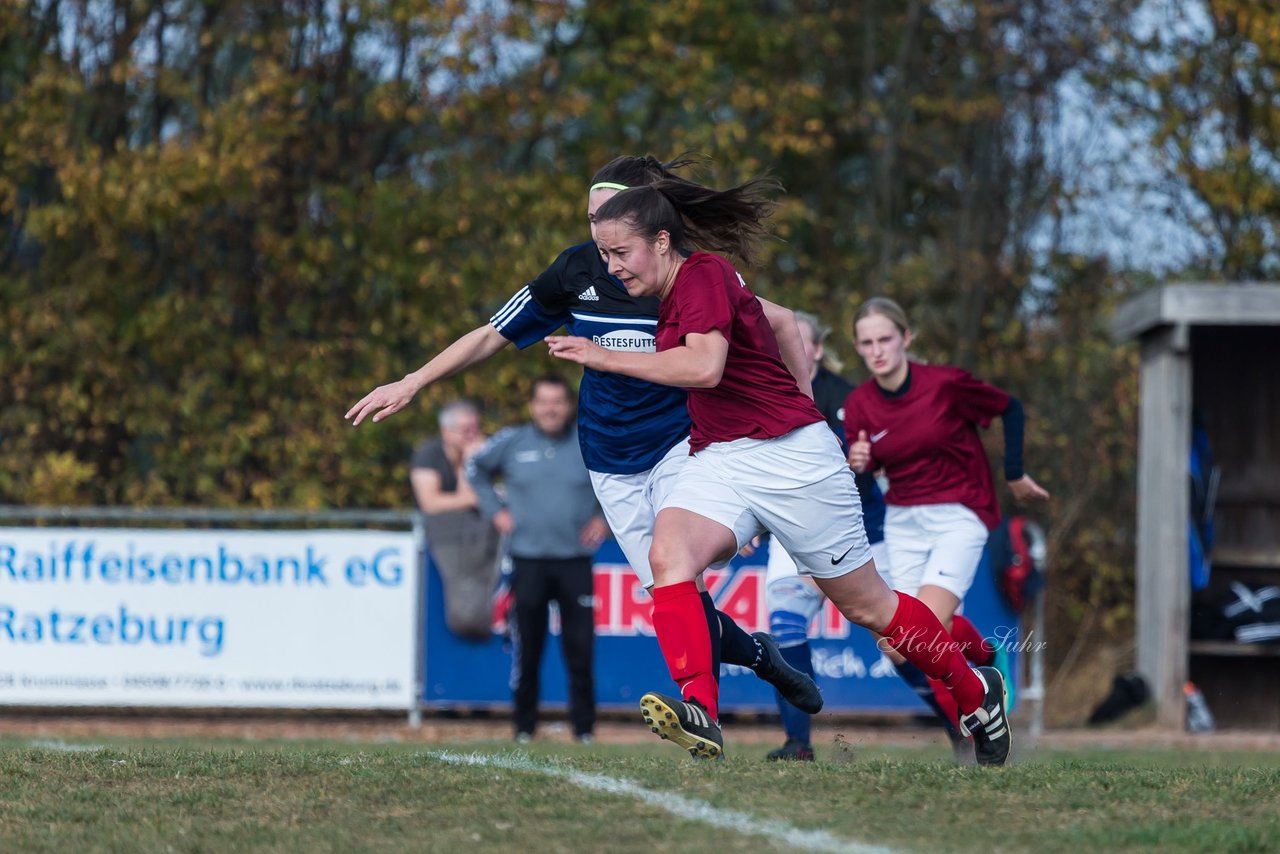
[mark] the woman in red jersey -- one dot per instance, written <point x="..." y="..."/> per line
<point x="762" y="457"/>
<point x="919" y="424"/>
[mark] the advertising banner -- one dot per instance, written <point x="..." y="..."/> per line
<point x="851" y="671"/>
<point x="207" y="618"/>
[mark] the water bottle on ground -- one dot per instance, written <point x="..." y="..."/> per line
<point x="1199" y="718"/>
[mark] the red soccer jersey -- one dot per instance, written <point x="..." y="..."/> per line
<point x="926" y="439"/>
<point x="757" y="397"/>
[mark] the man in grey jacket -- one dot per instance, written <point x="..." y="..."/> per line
<point x="548" y="511"/>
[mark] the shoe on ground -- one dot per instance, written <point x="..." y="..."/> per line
<point x="584" y="738"/>
<point x="794" y="750"/>
<point x="685" y="723"/>
<point x="796" y="688"/>
<point x="989" y="723"/>
<point x="524" y="737"/>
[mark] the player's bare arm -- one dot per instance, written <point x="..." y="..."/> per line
<point x="431" y="496"/>
<point x="698" y="363"/>
<point x="471" y="349"/>
<point x="790" y="343"/>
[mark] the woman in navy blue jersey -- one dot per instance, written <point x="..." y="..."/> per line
<point x="634" y="434"/>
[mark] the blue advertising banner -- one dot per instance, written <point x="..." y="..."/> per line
<point x="853" y="675"/>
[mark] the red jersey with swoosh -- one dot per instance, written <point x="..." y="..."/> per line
<point x="926" y="438"/>
<point x="757" y="397"/>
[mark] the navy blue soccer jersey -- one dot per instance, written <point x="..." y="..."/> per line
<point x="625" y="425"/>
<point x="829" y="393"/>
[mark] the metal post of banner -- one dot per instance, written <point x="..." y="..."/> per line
<point x="1034" y="694"/>
<point x="420" y="622"/>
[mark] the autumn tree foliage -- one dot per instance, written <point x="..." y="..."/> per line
<point x="224" y="222"/>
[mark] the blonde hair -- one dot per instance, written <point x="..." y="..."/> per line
<point x="884" y="307"/>
<point x="818" y="332"/>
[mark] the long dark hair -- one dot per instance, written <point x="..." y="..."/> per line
<point x="730" y="222"/>
<point x="632" y="171"/>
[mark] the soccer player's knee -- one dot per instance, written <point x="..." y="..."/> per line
<point x="860" y="614"/>
<point x="670" y="565"/>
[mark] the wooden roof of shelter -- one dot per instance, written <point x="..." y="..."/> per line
<point x="1198" y="304"/>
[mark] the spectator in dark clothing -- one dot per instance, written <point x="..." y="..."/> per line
<point x="461" y="541"/>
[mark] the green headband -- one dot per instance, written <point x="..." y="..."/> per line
<point x="607" y="185"/>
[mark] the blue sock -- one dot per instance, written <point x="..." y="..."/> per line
<point x="736" y="646"/>
<point x="713" y="628"/>
<point x="795" y="723"/>
<point x="919" y="683"/>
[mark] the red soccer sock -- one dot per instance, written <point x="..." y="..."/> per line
<point x="917" y="635"/>
<point x="681" y="627"/>
<point x="973" y="645"/>
<point x="946" y="703"/>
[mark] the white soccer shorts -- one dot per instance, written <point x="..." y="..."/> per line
<point x="630" y="501"/>
<point x="785" y="591"/>
<point x="937" y="545"/>
<point x="798" y="487"/>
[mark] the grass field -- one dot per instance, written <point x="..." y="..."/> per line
<point x="186" y="794"/>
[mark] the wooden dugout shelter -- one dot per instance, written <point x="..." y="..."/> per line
<point x="1213" y="349"/>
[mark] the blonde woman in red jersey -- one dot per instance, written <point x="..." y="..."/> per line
<point x="919" y="424"/>
<point x="762" y="457"/>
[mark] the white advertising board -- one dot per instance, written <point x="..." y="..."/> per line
<point x="207" y="618"/>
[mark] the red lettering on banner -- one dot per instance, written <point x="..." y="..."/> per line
<point x="714" y="579"/>
<point x="625" y="609"/>
<point x="623" y="606"/>
<point x="833" y="624"/>
<point x="742" y="598"/>
<point x="603" y="584"/>
<point x="635" y="607"/>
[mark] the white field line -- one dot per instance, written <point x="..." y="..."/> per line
<point x="64" y="747"/>
<point x="684" y="807"/>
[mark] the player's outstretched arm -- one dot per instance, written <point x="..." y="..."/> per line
<point x="1020" y="483"/>
<point x="790" y="343"/>
<point x="471" y="349"/>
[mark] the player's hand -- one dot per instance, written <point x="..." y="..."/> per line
<point x="1026" y="489"/>
<point x="860" y="453"/>
<point x="503" y="521"/>
<point x="575" y="349"/>
<point x="750" y="548"/>
<point x="383" y="401"/>
<point x="593" y="533"/>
